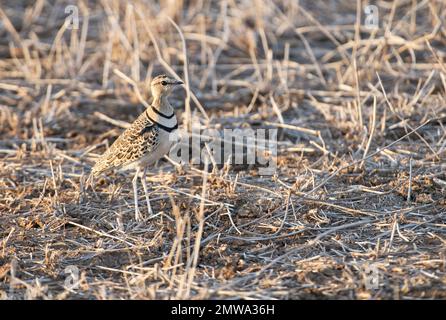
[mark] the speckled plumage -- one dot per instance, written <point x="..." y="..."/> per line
<point x="146" y="140"/>
<point x="141" y="138"/>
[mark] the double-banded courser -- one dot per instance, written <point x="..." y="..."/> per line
<point x="145" y="141"/>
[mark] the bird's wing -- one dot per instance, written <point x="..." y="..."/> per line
<point x="137" y="140"/>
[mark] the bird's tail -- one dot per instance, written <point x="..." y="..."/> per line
<point x="97" y="169"/>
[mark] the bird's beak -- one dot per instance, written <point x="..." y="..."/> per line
<point x="177" y="82"/>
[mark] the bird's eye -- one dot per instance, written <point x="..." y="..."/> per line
<point x="163" y="83"/>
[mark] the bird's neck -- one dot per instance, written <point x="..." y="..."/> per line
<point x="162" y="105"/>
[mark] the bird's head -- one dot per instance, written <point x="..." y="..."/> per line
<point x="162" y="85"/>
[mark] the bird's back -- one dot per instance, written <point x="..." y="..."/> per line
<point x="138" y="140"/>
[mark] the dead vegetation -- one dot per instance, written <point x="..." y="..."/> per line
<point x="360" y="180"/>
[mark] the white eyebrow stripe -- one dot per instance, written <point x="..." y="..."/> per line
<point x="164" y="78"/>
<point x="158" y="82"/>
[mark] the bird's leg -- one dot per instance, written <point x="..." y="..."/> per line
<point x="144" y="185"/>
<point x="135" y="192"/>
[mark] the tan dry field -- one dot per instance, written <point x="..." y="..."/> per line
<point x="358" y="197"/>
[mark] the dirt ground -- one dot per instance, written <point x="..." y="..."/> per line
<point x="355" y="208"/>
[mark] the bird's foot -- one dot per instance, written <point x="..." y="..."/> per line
<point x="149" y="208"/>
<point x="138" y="216"/>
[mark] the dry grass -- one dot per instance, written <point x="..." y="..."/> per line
<point x="360" y="178"/>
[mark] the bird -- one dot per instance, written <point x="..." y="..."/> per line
<point x="145" y="141"/>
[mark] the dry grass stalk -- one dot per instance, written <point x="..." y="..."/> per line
<point x="360" y="178"/>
